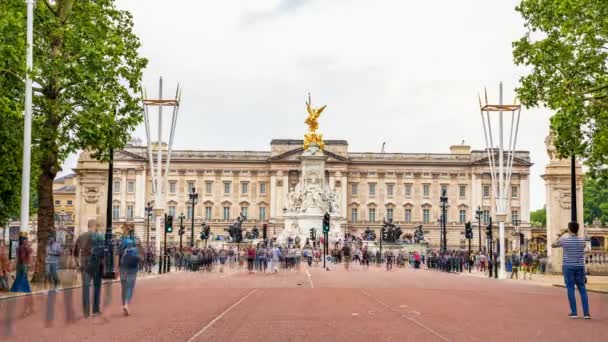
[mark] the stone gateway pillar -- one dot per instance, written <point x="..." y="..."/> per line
<point x="558" y="202"/>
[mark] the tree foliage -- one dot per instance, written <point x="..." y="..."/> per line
<point x="595" y="200"/>
<point x="87" y="72"/>
<point x="538" y="218"/>
<point x="566" y="50"/>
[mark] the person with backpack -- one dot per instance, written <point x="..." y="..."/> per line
<point x="130" y="258"/>
<point x="88" y="253"/>
<point x="515" y="260"/>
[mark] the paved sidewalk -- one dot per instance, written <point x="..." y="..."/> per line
<point x="594" y="283"/>
<point x="68" y="279"/>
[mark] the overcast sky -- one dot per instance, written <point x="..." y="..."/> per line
<point x="402" y="72"/>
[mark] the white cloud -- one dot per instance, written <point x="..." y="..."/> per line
<point x="404" y="72"/>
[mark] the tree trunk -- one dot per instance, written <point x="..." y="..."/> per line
<point x="46" y="211"/>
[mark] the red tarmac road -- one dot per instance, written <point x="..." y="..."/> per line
<point x="317" y="305"/>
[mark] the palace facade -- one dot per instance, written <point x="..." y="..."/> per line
<point x="371" y="186"/>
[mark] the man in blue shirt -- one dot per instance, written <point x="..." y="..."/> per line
<point x="574" y="267"/>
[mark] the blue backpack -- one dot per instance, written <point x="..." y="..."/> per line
<point x="130" y="255"/>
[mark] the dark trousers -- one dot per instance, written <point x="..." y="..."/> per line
<point x="86" y="295"/>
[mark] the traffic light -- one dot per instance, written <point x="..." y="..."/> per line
<point x="182" y="231"/>
<point x="489" y="231"/>
<point x="312" y="233"/>
<point x="168" y="223"/>
<point x="383" y="233"/>
<point x="326" y="223"/>
<point x="468" y="230"/>
<point x="264" y="231"/>
<point x="521" y="239"/>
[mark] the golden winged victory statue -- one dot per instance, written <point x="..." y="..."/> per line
<point x="312" y="137"/>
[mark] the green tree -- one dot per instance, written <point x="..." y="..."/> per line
<point x="538" y="218"/>
<point x="566" y="51"/>
<point x="87" y="70"/>
<point x="595" y="200"/>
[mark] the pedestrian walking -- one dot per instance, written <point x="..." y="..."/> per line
<point x="130" y="257"/>
<point x="53" y="253"/>
<point x="24" y="256"/>
<point x="5" y="267"/>
<point x="515" y="265"/>
<point x="88" y="254"/>
<point x="250" y="258"/>
<point x="574" y="267"/>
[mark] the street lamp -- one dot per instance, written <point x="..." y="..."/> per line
<point x="444" y="202"/>
<point x="181" y="229"/>
<point x="478" y="213"/>
<point x="516" y="223"/>
<point x="149" y="210"/>
<point x="193" y="200"/>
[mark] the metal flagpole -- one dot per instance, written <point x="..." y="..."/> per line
<point x="158" y="181"/>
<point x="27" y="122"/>
<point x="501" y="173"/>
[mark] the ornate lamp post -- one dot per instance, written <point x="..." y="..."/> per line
<point x="193" y="196"/>
<point x="181" y="229"/>
<point x="149" y="210"/>
<point x="444" y="202"/>
<point x="478" y="213"/>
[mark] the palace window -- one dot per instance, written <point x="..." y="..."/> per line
<point x="408" y="215"/>
<point x="262" y="213"/>
<point x="69" y="202"/>
<point x="244" y="211"/>
<point x="262" y="188"/>
<point x="372" y="214"/>
<point x="514" y="191"/>
<point x="354" y="189"/>
<point x="172" y="187"/>
<point x="353" y="215"/>
<point x="190" y="215"/>
<point x="172" y="210"/>
<point x="372" y="189"/>
<point x="131" y="187"/>
<point x="463" y="191"/>
<point x="426" y="190"/>
<point x="486" y="216"/>
<point x="208" y="187"/>
<point x="115" y="212"/>
<point x="57" y="202"/>
<point x="226" y="188"/>
<point x="116" y="186"/>
<point x="208" y="213"/>
<point x="244" y="188"/>
<point x="390" y="189"/>
<point x="389" y="213"/>
<point x="408" y="189"/>
<point x="463" y="216"/>
<point x="190" y="187"/>
<point x="226" y="213"/>
<point x="130" y="212"/>
<point x="515" y="215"/>
<point x="486" y="191"/>
<point x="426" y="215"/>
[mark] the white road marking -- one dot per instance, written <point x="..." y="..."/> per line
<point x="220" y="316"/>
<point x="415" y="321"/>
<point x="312" y="286"/>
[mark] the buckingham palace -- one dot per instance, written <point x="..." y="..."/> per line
<point x="369" y="187"/>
